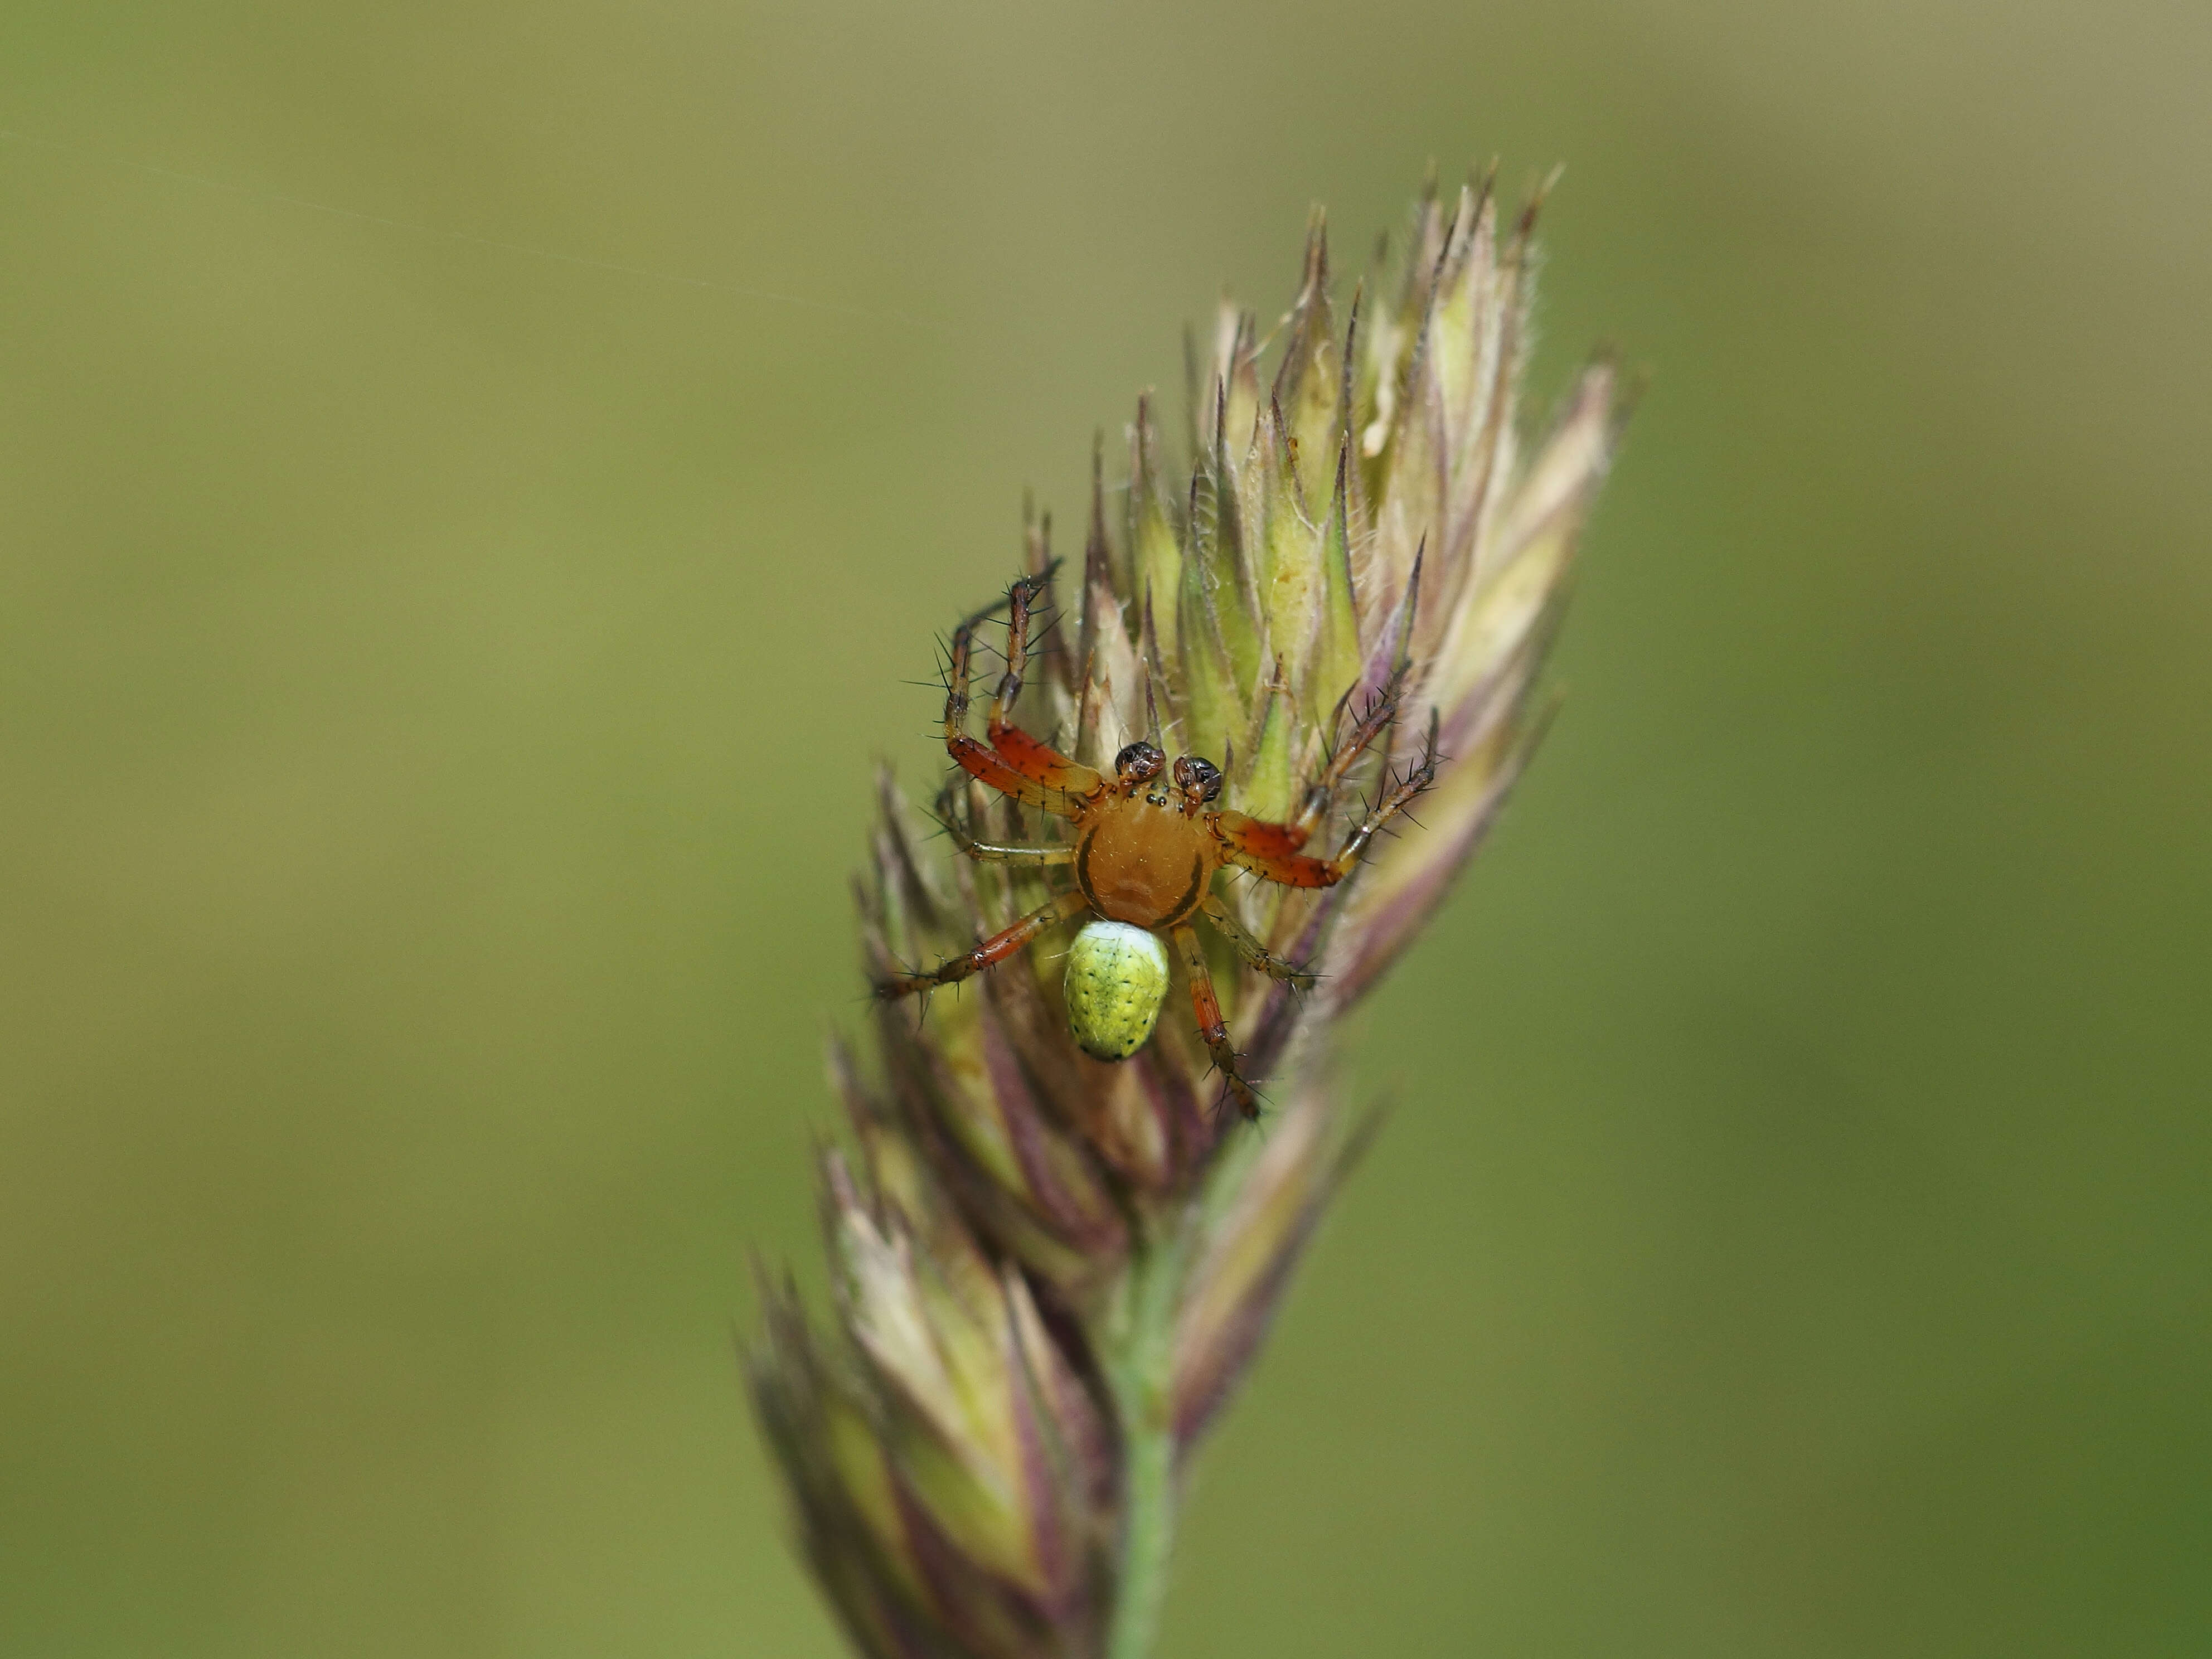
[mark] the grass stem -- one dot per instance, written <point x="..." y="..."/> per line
<point x="1139" y="1358"/>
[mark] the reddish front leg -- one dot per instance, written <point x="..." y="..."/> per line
<point x="1269" y="850"/>
<point x="1038" y="761"/>
<point x="981" y="761"/>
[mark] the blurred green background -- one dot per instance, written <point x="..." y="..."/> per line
<point x="439" y="683"/>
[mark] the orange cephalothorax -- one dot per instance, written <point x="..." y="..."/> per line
<point x="1144" y="854"/>
<point x="1140" y="856"/>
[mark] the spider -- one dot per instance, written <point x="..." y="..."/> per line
<point x="1147" y="845"/>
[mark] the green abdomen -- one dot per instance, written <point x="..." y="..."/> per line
<point x="1117" y="978"/>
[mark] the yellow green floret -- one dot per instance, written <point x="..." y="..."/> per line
<point x="1117" y="978"/>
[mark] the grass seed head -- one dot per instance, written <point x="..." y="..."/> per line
<point x="1358" y="521"/>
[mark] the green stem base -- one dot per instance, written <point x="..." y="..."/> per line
<point x="1140" y="1363"/>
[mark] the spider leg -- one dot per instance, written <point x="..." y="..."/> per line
<point x="980" y="759"/>
<point x="1415" y="782"/>
<point x="984" y="851"/>
<point x="1212" y="1029"/>
<point x="1368" y="726"/>
<point x="1269" y="851"/>
<point x="994" y="950"/>
<point x="948" y="817"/>
<point x="1256" y="955"/>
<point x="1040" y="763"/>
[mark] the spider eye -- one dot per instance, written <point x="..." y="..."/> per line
<point x="1200" y="778"/>
<point x="1138" y="762"/>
